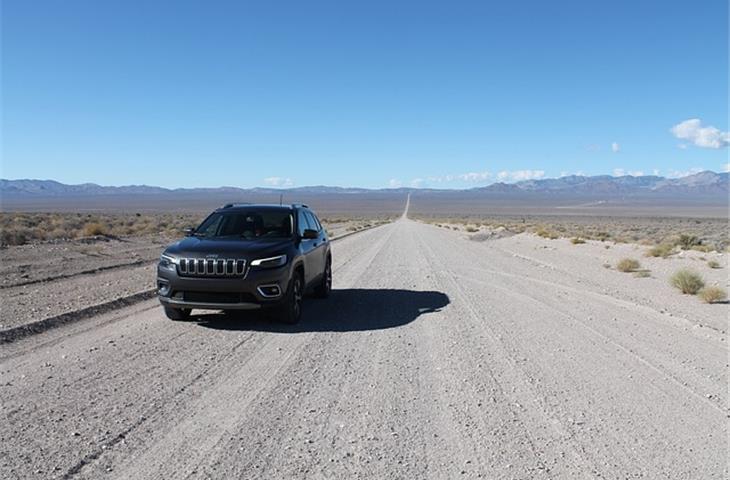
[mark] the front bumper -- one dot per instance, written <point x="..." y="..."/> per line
<point x="174" y="303"/>
<point x="257" y="289"/>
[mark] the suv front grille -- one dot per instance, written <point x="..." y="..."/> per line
<point x="211" y="267"/>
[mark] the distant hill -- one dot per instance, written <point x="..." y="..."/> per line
<point x="574" y="193"/>
<point x="703" y="183"/>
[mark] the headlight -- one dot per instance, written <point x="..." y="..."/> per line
<point x="271" y="262"/>
<point x="167" y="262"/>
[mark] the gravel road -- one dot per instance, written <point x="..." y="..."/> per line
<point x="435" y="357"/>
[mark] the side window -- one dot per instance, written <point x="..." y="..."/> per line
<point x="302" y="223"/>
<point x="313" y="224"/>
<point x="316" y="220"/>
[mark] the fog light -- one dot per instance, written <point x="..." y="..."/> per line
<point x="269" y="291"/>
<point x="163" y="288"/>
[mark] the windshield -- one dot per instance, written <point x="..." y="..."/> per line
<point x="247" y="224"/>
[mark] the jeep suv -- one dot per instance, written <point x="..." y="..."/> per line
<point x="245" y="257"/>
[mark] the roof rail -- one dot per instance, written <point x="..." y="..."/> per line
<point x="303" y="205"/>
<point x="229" y="205"/>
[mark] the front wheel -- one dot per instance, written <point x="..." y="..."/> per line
<point x="291" y="309"/>
<point x="177" y="313"/>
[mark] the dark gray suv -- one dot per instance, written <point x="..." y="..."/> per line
<point x="245" y="257"/>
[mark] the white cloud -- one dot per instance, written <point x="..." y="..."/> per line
<point x="471" y="177"/>
<point x="620" y="172"/>
<point x="684" y="173"/>
<point x="615" y="147"/>
<point x="417" y="182"/>
<point x="279" y="182"/>
<point x="395" y="183"/>
<point x="579" y="173"/>
<point x="725" y="167"/>
<point x="706" y="137"/>
<point x="519" y="175"/>
<point x="474" y="176"/>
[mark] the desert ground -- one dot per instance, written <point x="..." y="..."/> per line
<point x="442" y="353"/>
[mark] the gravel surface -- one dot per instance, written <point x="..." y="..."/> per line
<point x="435" y="357"/>
<point x="44" y="262"/>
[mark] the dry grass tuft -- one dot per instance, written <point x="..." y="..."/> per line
<point x="714" y="264"/>
<point x="544" y="233"/>
<point x="577" y="241"/>
<point x="642" y="274"/>
<point x="93" y="229"/>
<point x="687" y="281"/>
<point x="662" y="250"/>
<point x="628" y="265"/>
<point x="687" y="242"/>
<point x="712" y="295"/>
<point x="471" y="229"/>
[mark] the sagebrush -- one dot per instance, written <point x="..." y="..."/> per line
<point x="687" y="281"/>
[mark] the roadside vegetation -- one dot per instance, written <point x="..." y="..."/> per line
<point x="19" y="228"/>
<point x="357" y="225"/>
<point x="712" y="295"/>
<point x="22" y="228"/>
<point x="663" y="236"/>
<point x="663" y="250"/>
<point x="547" y="233"/>
<point x="628" y="265"/>
<point x="687" y="281"/>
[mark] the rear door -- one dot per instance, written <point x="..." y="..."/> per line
<point x="319" y="247"/>
<point x="307" y="248"/>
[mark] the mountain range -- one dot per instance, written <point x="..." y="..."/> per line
<point x="703" y="184"/>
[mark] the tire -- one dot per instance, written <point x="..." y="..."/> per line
<point x="291" y="309"/>
<point x="177" y="313"/>
<point x="325" y="286"/>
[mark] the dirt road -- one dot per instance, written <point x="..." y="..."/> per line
<point x="435" y="357"/>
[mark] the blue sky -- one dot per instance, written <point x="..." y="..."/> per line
<point x="443" y="94"/>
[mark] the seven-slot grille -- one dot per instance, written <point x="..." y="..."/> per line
<point x="213" y="267"/>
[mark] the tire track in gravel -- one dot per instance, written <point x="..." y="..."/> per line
<point x="521" y="392"/>
<point x="511" y="293"/>
<point x="512" y="284"/>
<point x="607" y="338"/>
<point x="223" y="415"/>
<point x="90" y="271"/>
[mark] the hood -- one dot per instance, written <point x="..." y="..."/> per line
<point x="227" y="247"/>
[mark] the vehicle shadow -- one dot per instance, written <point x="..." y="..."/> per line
<point x="347" y="310"/>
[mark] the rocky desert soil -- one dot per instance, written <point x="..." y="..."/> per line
<point x="435" y="357"/>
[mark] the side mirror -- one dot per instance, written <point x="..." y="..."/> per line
<point x="310" y="234"/>
<point x="188" y="231"/>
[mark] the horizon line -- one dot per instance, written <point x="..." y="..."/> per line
<point x="399" y="187"/>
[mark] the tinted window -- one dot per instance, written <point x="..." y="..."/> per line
<point x="247" y="224"/>
<point x="316" y="219"/>
<point x="303" y="222"/>
<point x="313" y="223"/>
